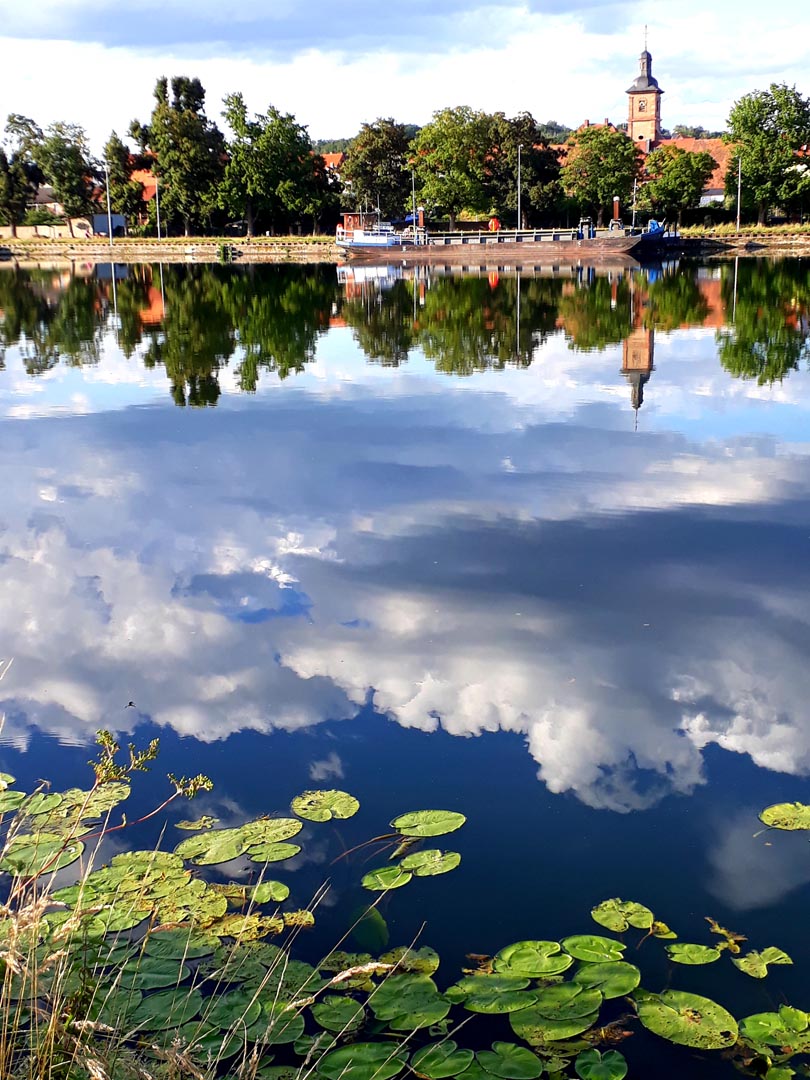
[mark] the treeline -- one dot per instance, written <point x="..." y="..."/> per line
<point x="269" y="176"/>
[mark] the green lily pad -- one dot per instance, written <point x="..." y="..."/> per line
<point x="536" y="1029"/>
<point x="694" y="955"/>
<point x="619" y="914"/>
<point x="179" y="944"/>
<point x="42" y="803"/>
<point x="167" y="1009"/>
<point x="593" y="949"/>
<point x="567" y="1001"/>
<point x="428" y="822"/>
<point x="510" y="1062"/>
<point x="424" y="1016"/>
<point x="431" y="862"/>
<point x="788" y="815"/>
<point x="272" y="852"/>
<point x="325" y="805"/>
<point x="614" y="979"/>
<point x="267" y="891"/>
<point x="687" y="1019"/>
<point x="207" y="1042"/>
<point x="535" y="959"/>
<point x="591" y="1065"/>
<point x="236" y="1008"/>
<point x="401" y="994"/>
<point x="152" y="973"/>
<point x="440" y="1060"/>
<point x="363" y="1061"/>
<point x="279" y="1025"/>
<point x="422" y="961"/>
<point x="37" y="853"/>
<point x="10" y="800"/>
<point x="204" y="822"/>
<point x="339" y="1014"/>
<point x="492" y="993"/>
<point x="386" y="877"/>
<point x="756" y="963"/>
<point x="786" y="1028"/>
<point x="216" y="846"/>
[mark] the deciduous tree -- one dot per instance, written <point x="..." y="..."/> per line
<point x="539" y="167"/>
<point x="65" y="160"/>
<point x="126" y="194"/>
<point x="600" y="164"/>
<point x="450" y="159"/>
<point x="377" y="167"/>
<point x="676" y="180"/>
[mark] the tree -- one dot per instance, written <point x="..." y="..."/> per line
<point x="539" y="167"/>
<point x="449" y="157"/>
<point x="271" y="170"/>
<point x="15" y="190"/>
<point x="377" y="167"/>
<point x="188" y="150"/>
<point x="600" y="164"/>
<point x="126" y="194"/>
<point x="677" y="179"/>
<point x="697" y="132"/>
<point x="768" y="128"/>
<point x="554" y="132"/>
<point x="64" y="157"/>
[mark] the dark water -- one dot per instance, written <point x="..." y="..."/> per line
<point x="536" y="549"/>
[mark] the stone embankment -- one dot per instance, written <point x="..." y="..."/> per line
<point x="179" y="250"/>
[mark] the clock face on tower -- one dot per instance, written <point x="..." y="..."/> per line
<point x="642" y="105"/>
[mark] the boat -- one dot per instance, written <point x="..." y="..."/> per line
<point x="364" y="237"/>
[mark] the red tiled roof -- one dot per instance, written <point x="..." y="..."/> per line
<point x="722" y="153"/>
<point x="334" y="161"/>
<point x="147" y="178"/>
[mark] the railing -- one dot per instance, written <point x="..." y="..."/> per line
<point x="503" y="236"/>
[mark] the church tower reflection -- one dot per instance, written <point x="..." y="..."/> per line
<point x="637" y="363"/>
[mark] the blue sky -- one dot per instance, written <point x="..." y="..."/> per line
<point x="335" y="66"/>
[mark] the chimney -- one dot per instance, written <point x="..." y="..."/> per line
<point x="607" y="122"/>
<point x="587" y="123"/>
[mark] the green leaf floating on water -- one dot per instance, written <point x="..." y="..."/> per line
<point x="567" y="1001"/>
<point x="535" y="959"/>
<point x="325" y="805"/>
<point x="363" y="1061"/>
<point x="167" y="1009"/>
<point x="10" y="800"/>
<point x="687" y="1019"/>
<point x="614" y="979"/>
<point x="255" y="837"/>
<point x="267" y="891"/>
<point x="152" y="973"/>
<point x="594" y="949"/>
<point x="591" y="1065"/>
<point x="338" y="1013"/>
<point x="408" y="1002"/>
<point x="619" y="914"/>
<point x="786" y="1028"/>
<point x="179" y="944"/>
<point x="537" y="1030"/>
<point x="42" y="803"/>
<point x="386" y="877"/>
<point x="786" y="815"/>
<point x="498" y="994"/>
<point x="33" y="853"/>
<point x="441" y="1060"/>
<point x="431" y="862"/>
<point x="428" y="822"/>
<point x="270" y="853"/>
<point x="236" y="1008"/>
<point x="756" y="963"/>
<point x="279" y="1025"/>
<point x="694" y="955"/>
<point x="204" y="822"/>
<point x="423" y="961"/>
<point x="510" y="1062"/>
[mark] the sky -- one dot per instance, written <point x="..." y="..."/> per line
<point x="335" y="66"/>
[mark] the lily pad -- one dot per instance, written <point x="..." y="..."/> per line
<point x="422" y="961"/>
<point x="536" y="1029"/>
<point x="363" y="1061"/>
<point x="180" y="944"/>
<point x="535" y="959"/>
<point x="428" y="822"/>
<point x="619" y="914"/>
<point x="498" y="994"/>
<point x="216" y="846"/>
<point x="694" y="955"/>
<point x="234" y="1009"/>
<point x="593" y="949"/>
<point x="36" y="853"/>
<point x="204" y="822"/>
<point x="402" y="993"/>
<point x="431" y="862"/>
<point x="510" y="1062"/>
<point x="386" y="877"/>
<point x="152" y="973"/>
<point x="788" y="815"/>
<point x="687" y="1019"/>
<point x="567" y="1001"/>
<point x="614" y="979"/>
<point x="756" y="963"/>
<point x="591" y="1065"/>
<point x="167" y="1009"/>
<point x="279" y="1025"/>
<point x="267" y="891"/>
<point x="441" y="1060"/>
<point x="272" y="852"/>
<point x="786" y="1028"/>
<point x="325" y="805"/>
<point x="339" y="1014"/>
<point x="10" y="800"/>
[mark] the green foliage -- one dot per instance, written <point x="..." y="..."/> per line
<point x="539" y="168"/>
<point x="439" y="1060"/>
<point x="593" y="1065"/>
<point x="687" y="1019"/>
<point x="377" y="168"/>
<point x="324" y="805"/>
<point x="676" y="181"/>
<point x="449" y="157"/>
<point x="535" y="959"/>
<point x="126" y="194"/>
<point x="510" y="1062"/>
<point x="593" y="948"/>
<point x="64" y="158"/>
<point x="428" y="822"/>
<point x="695" y="955"/>
<point x="756" y="963"/>
<point x="618" y="915"/>
<point x="600" y="163"/>
<point x="790" y="816"/>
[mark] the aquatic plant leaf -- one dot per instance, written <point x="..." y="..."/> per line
<point x="279" y="1025"/>
<point x="794" y="815"/>
<point x="167" y="1009"/>
<point x="567" y="1001"/>
<point x="370" y="930"/>
<point x="618" y="915"/>
<point x="591" y="1065"/>
<point x="6" y="780"/>
<point x="179" y="943"/>
<point x="152" y="973"/>
<point x="614" y="979"/>
<point x="324" y="805"/>
<point x="422" y="961"/>
<point x="786" y="1028"/>
<point x="687" y="1019"/>
<point x="363" y="1061"/>
<point x="338" y="1013"/>
<point x="431" y="862"/>
<point x="194" y="902"/>
<point x="216" y="846"/>
<point x="440" y="1060"/>
<point x="116" y="1007"/>
<point x="535" y="959"/>
<point x="756" y="963"/>
<point x="402" y="993"/>
<point x="36" y="853"/>
<point x="204" y="822"/>
<point x="428" y="822"/>
<point x="536" y="1029"/>
<point x="246" y="927"/>
<point x="594" y="949"/>
<point x="510" y="1062"/>
<point x="694" y="955"/>
<point x="267" y="891"/>
<point x="342" y="961"/>
<point x="10" y="800"/>
<point x="492" y="993"/>
<point x="236" y="1007"/>
<point x="661" y="930"/>
<point x="207" y="1042"/>
<point x="386" y="877"/>
<point x="272" y="852"/>
<point x="272" y="830"/>
<point x="42" y="803"/>
<point x="425" y="1016"/>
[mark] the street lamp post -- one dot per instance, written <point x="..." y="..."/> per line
<point x="739" y="189"/>
<point x="109" y="209"/>
<point x="157" y="203"/>
<point x="519" y="218"/>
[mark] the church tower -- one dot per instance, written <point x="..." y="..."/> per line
<point x="644" y="113"/>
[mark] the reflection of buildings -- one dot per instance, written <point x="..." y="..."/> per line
<point x="637" y="362"/>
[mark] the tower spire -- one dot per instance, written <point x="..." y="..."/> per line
<point x="645" y="38"/>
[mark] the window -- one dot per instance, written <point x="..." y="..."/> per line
<point x="642" y="105"/>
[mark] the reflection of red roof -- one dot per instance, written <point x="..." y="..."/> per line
<point x="334" y="161"/>
<point x="147" y="178"/>
<point x="720" y="151"/>
<point x="152" y="315"/>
